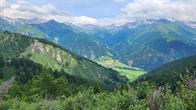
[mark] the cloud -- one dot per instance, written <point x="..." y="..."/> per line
<point x="135" y="10"/>
<point x="156" y="9"/>
<point x="2" y="4"/>
<point x="22" y="1"/>
<point x="23" y="9"/>
<point x="181" y="10"/>
<point x="119" y="1"/>
<point x="80" y="20"/>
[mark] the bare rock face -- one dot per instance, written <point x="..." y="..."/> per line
<point x="58" y="58"/>
<point x="37" y="47"/>
<point x="41" y="48"/>
<point x="192" y="84"/>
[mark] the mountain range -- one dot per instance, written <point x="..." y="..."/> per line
<point x="143" y="44"/>
<point x="38" y="73"/>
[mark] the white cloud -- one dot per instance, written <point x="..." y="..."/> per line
<point x="156" y="9"/>
<point x="80" y="20"/>
<point x="119" y="1"/>
<point x="23" y="9"/>
<point x="2" y="4"/>
<point x="135" y="10"/>
<point x="22" y="1"/>
<point x="182" y="10"/>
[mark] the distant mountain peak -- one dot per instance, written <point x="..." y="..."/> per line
<point x="32" y="21"/>
<point x="53" y="21"/>
<point x="9" y="20"/>
<point x="23" y="20"/>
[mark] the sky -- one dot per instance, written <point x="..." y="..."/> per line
<point x="99" y="12"/>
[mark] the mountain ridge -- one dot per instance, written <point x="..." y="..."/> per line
<point x="125" y="43"/>
<point x="55" y="57"/>
<point x="172" y="72"/>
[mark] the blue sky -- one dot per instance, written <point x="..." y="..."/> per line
<point x="91" y="8"/>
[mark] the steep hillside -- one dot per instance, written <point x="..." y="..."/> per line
<point x="50" y="55"/>
<point x="66" y="35"/>
<point x="172" y="72"/>
<point x="73" y="39"/>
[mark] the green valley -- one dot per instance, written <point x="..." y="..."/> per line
<point x="55" y="57"/>
<point x="47" y="89"/>
<point x="130" y="72"/>
<point x="97" y="54"/>
<point x="45" y="64"/>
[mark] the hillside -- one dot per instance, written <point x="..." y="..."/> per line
<point x="55" y="57"/>
<point x="47" y="89"/>
<point x="143" y="44"/>
<point x="97" y="54"/>
<point x="149" y="45"/>
<point x="7" y="24"/>
<point x="68" y="36"/>
<point x="66" y="84"/>
<point x="172" y="72"/>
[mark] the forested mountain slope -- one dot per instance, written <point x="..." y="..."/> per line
<point x="52" y="56"/>
<point x="172" y="72"/>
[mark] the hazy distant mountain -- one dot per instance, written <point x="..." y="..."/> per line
<point x="16" y="25"/>
<point x="150" y="44"/>
<point x="145" y="44"/>
<point x="71" y="38"/>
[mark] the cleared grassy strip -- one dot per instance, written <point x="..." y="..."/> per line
<point x="130" y="74"/>
<point x="109" y="62"/>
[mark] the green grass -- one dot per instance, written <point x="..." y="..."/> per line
<point x="46" y="60"/>
<point x="49" y="58"/>
<point x="57" y="59"/>
<point x="110" y="62"/>
<point x="118" y="66"/>
<point x="130" y="74"/>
